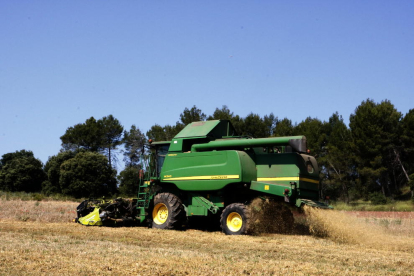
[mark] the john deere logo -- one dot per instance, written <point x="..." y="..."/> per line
<point x="219" y="177"/>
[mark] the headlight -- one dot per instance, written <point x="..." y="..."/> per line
<point x="310" y="168"/>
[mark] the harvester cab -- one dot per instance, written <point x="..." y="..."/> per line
<point x="159" y="151"/>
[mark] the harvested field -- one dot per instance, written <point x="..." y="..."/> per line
<point x="392" y="223"/>
<point x="376" y="214"/>
<point x="36" y="246"/>
<point x="40" y="211"/>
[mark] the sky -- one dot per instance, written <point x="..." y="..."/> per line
<point x="144" y="62"/>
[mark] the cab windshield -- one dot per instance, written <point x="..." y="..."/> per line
<point x="161" y="151"/>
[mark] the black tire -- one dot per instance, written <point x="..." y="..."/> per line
<point x="168" y="212"/>
<point x="234" y="219"/>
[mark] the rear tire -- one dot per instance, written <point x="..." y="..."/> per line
<point x="234" y="219"/>
<point x="168" y="212"/>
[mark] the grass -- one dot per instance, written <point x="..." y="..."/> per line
<point x="47" y="244"/>
<point x="397" y="206"/>
<point x="37" y="211"/>
<point x="34" y="196"/>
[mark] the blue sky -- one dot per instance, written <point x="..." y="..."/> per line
<point x="62" y="62"/>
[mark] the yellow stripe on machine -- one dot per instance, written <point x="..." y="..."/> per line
<point x="287" y="179"/>
<point x="203" y="177"/>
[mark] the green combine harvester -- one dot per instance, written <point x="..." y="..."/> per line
<point x="207" y="172"/>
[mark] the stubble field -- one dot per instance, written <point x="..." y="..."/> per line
<point x="37" y="238"/>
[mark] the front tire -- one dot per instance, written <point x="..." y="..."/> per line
<point x="234" y="219"/>
<point x="168" y="212"/>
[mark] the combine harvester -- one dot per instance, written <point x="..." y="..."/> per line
<point x="208" y="172"/>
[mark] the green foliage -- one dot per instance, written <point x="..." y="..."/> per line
<point x="375" y="131"/>
<point x="134" y="141"/>
<point x="336" y="158"/>
<point x="156" y="133"/>
<point x="411" y="182"/>
<point x="21" y="172"/>
<point x="222" y="114"/>
<point x="257" y="127"/>
<point x="312" y="128"/>
<point x="407" y="139"/>
<point x="102" y="135"/>
<point x="24" y="196"/>
<point x="49" y="189"/>
<point x="284" y="128"/>
<point x="86" y="136"/>
<point x="192" y="115"/>
<point x="269" y="122"/>
<point x="6" y="158"/>
<point x="111" y="130"/>
<point x="52" y="169"/>
<point x="171" y="131"/>
<point x="87" y="174"/>
<point x="128" y="181"/>
<point x="38" y="196"/>
<point x="254" y="126"/>
<point x="238" y="124"/>
<point x="377" y="198"/>
<point x="166" y="133"/>
<point x="225" y="114"/>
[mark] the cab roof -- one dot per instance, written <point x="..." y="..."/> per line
<point x="213" y="129"/>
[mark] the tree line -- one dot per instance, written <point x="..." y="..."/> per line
<point x="372" y="158"/>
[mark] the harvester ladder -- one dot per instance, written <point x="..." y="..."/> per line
<point x="143" y="195"/>
<point x="144" y="189"/>
<point x="143" y="201"/>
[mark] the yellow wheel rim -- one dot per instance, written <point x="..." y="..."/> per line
<point x="160" y="213"/>
<point x="234" y="222"/>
